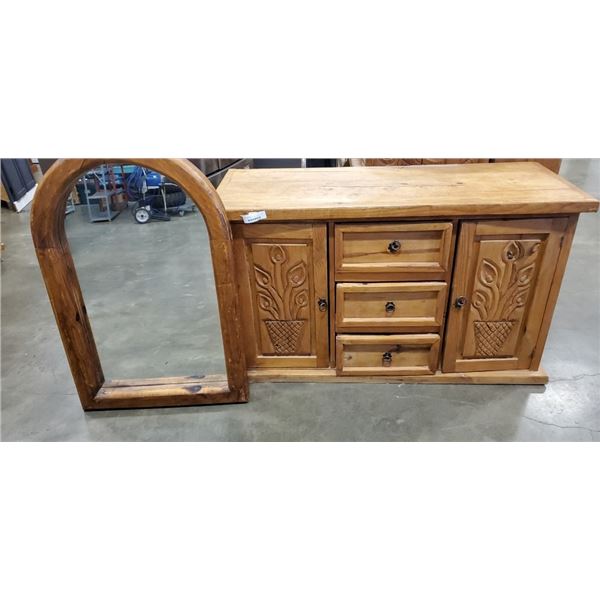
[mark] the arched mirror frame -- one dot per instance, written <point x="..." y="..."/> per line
<point x="60" y="278"/>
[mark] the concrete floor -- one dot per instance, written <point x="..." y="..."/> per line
<point x="152" y="304"/>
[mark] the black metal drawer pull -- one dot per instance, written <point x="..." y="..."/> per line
<point x="394" y="247"/>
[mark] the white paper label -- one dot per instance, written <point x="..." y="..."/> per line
<point x="253" y="217"/>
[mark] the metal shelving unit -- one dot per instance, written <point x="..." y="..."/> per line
<point x="103" y="174"/>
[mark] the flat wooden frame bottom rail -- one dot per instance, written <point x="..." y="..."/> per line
<point x="524" y="377"/>
<point x="163" y="392"/>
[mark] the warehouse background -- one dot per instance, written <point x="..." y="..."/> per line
<point x="150" y="295"/>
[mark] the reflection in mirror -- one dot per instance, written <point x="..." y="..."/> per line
<point x="146" y="275"/>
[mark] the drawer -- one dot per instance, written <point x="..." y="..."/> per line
<point x="379" y="307"/>
<point x="408" y="354"/>
<point x="392" y="251"/>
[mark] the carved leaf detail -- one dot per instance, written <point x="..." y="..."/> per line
<point x="263" y="278"/>
<point x="520" y="298"/>
<point x="525" y="274"/>
<point x="489" y="273"/>
<point x="267" y="304"/>
<point x="277" y="254"/>
<point x="301" y="298"/>
<point x="502" y="287"/>
<point x="480" y="303"/>
<point x="296" y="276"/>
<point x="512" y="252"/>
<point x="282" y="291"/>
<point x="300" y="301"/>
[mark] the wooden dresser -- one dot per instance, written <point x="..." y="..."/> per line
<point x="429" y="274"/>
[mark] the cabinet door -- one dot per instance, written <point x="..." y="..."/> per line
<point x="503" y="275"/>
<point x="283" y="288"/>
<point x="16" y="177"/>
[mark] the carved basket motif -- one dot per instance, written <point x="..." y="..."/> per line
<point x="285" y="335"/>
<point x="490" y="337"/>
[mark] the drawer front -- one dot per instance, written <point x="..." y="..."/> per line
<point x="397" y="307"/>
<point x="415" y="354"/>
<point x="391" y="252"/>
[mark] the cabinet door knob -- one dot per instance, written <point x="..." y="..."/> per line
<point x="390" y="307"/>
<point x="386" y="359"/>
<point x="322" y="303"/>
<point x="460" y="302"/>
<point x="394" y="246"/>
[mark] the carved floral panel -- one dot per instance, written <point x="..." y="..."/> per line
<point x="282" y="291"/>
<point x="502" y="287"/>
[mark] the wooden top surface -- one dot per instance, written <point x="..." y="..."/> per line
<point x="519" y="188"/>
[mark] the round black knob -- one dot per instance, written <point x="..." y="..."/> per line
<point x="394" y="246"/>
<point x="390" y="307"/>
<point x="460" y="302"/>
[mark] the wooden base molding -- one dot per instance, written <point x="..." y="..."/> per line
<point x="523" y="377"/>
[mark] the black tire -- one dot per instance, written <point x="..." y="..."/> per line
<point x="141" y="215"/>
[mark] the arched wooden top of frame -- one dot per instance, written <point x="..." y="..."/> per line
<point x="47" y="213"/>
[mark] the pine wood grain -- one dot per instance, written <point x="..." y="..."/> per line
<point x="362" y="251"/>
<point x="410" y="354"/>
<point x="377" y="193"/>
<point x="163" y="392"/>
<point x="332" y="298"/>
<point x="519" y="377"/>
<point x="327" y="235"/>
<point x="64" y="292"/>
<point x="561" y="265"/>
<point x="504" y="271"/>
<point x="282" y="322"/>
<point x="390" y="307"/>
